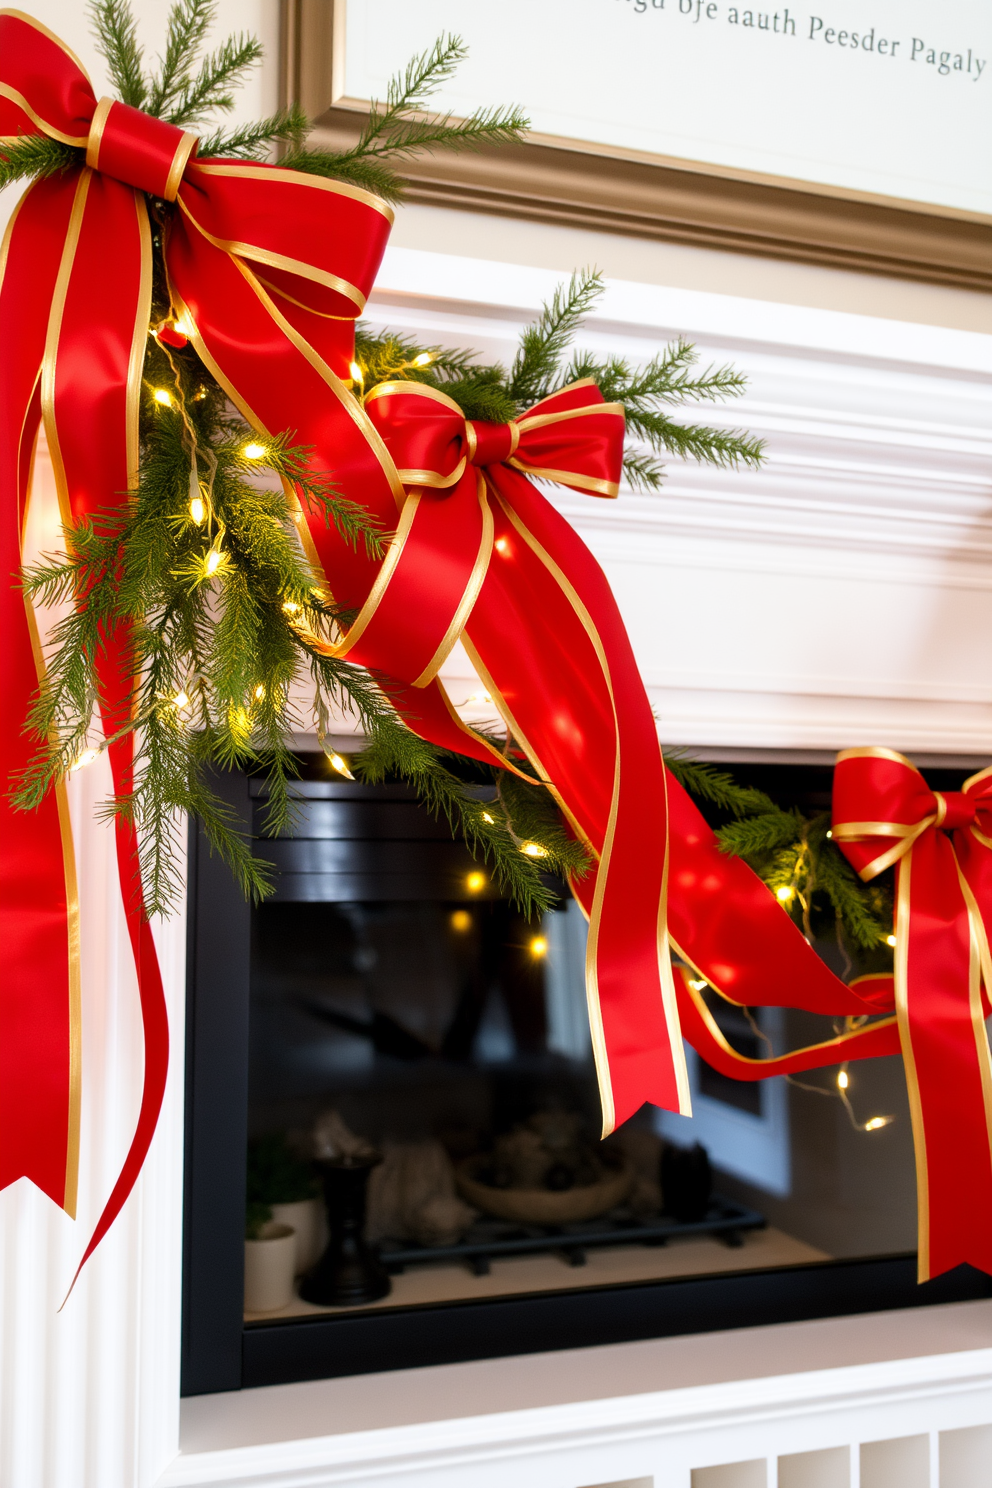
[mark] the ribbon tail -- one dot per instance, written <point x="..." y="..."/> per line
<point x="946" y="1054"/>
<point x="90" y="396"/>
<point x="39" y="1009"/>
<point x="550" y="646"/>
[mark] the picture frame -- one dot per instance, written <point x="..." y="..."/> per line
<point x="574" y="184"/>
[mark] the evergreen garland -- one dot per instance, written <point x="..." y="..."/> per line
<point x="204" y="565"/>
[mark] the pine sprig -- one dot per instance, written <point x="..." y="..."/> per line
<point x="401" y="128"/>
<point x="793" y="854"/>
<point x="537" y="365"/>
<point x="35" y="156"/>
<point x="117" y="41"/>
<point x="519" y="833"/>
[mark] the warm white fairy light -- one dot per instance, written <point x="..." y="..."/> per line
<point x="784" y="894"/>
<point x="259" y="693"/>
<point x="289" y="608"/>
<point x="697" y="984"/>
<point x="460" y="920"/>
<point x="181" y="700"/>
<point x="357" y="375"/>
<point x="86" y="758"/>
<point x="890" y="940"/>
<point x="183" y="327"/>
<point x="489" y="820"/>
<point x="501" y="545"/>
<point x="423" y="360"/>
<point x="212" y="562"/>
<point x="539" y="946"/>
<point x="162" y="396"/>
<point x="475" y="883"/>
<point x="843" y="1080"/>
<point x="534" y="850"/>
<point x="254" y="451"/>
<point x="877" y="1122"/>
<point x="198" y="510"/>
<point x="341" y="765"/>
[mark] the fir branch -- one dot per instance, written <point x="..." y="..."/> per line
<point x="716" y="786"/>
<point x="213" y="86"/>
<point x="253" y="141"/>
<point x="755" y="836"/>
<point x="36" y="156"/>
<point x="536" y="366"/>
<point x="116" y="31"/>
<point x="401" y="129"/>
<point x="187" y="27"/>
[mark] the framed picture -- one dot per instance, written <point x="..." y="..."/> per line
<point x="820" y="134"/>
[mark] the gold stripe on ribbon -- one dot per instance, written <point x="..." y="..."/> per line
<point x="471" y="593"/>
<point x="588" y="483"/>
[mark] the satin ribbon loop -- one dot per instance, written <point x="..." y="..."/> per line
<point x="138" y="149"/>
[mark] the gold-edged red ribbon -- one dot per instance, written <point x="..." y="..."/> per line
<point x="270" y="268"/>
<point x="941" y="845"/>
<point x="482" y="556"/>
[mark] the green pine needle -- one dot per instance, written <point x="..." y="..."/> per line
<point x="35" y="156"/>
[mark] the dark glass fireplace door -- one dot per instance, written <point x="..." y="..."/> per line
<point x="333" y="1025"/>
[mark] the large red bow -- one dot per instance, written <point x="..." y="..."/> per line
<point x="269" y="267"/>
<point x="885" y="813"/>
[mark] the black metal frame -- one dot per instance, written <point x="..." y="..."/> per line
<point x="221" y="1353"/>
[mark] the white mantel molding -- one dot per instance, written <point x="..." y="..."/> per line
<point x="842" y="595"/>
<point x="656" y="1435"/>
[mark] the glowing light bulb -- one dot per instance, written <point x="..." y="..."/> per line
<point x="877" y="1122"/>
<point x="784" y="894"/>
<point x="697" y="984"/>
<point x="163" y="396"/>
<point x="501" y="545"/>
<point x="212" y="563"/>
<point x="830" y="834"/>
<point x="289" y="608"/>
<point x="341" y="765"/>
<point x="181" y="700"/>
<point x="357" y="375"/>
<point x="197" y="510"/>
<point x="534" y="850"/>
<point x="475" y="883"/>
<point x="843" y="1080"/>
<point x="254" y="451"/>
<point x="423" y="360"/>
<point x="890" y="940"/>
<point x="488" y="819"/>
<point x="259" y="693"/>
<point x="183" y="328"/>
<point x="539" y="946"/>
<point x="86" y="758"/>
<point x="461" y="921"/>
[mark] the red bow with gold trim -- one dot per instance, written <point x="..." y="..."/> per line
<point x="481" y="555"/>
<point x="269" y="268"/>
<point x="884" y="814"/>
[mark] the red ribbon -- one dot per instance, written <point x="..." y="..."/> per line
<point x="75" y="301"/>
<point x="268" y="269"/>
<point x="884" y="814"/>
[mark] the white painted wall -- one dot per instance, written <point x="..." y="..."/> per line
<point x="841" y="596"/>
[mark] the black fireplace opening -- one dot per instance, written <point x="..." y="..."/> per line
<point x="388" y="1010"/>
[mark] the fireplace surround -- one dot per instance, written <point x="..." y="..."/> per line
<point x="262" y="1020"/>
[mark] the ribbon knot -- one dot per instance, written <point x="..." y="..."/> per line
<point x="955" y="809"/>
<point x="490" y="444"/>
<point x="885" y="814"/>
<point x="138" y="149"/>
